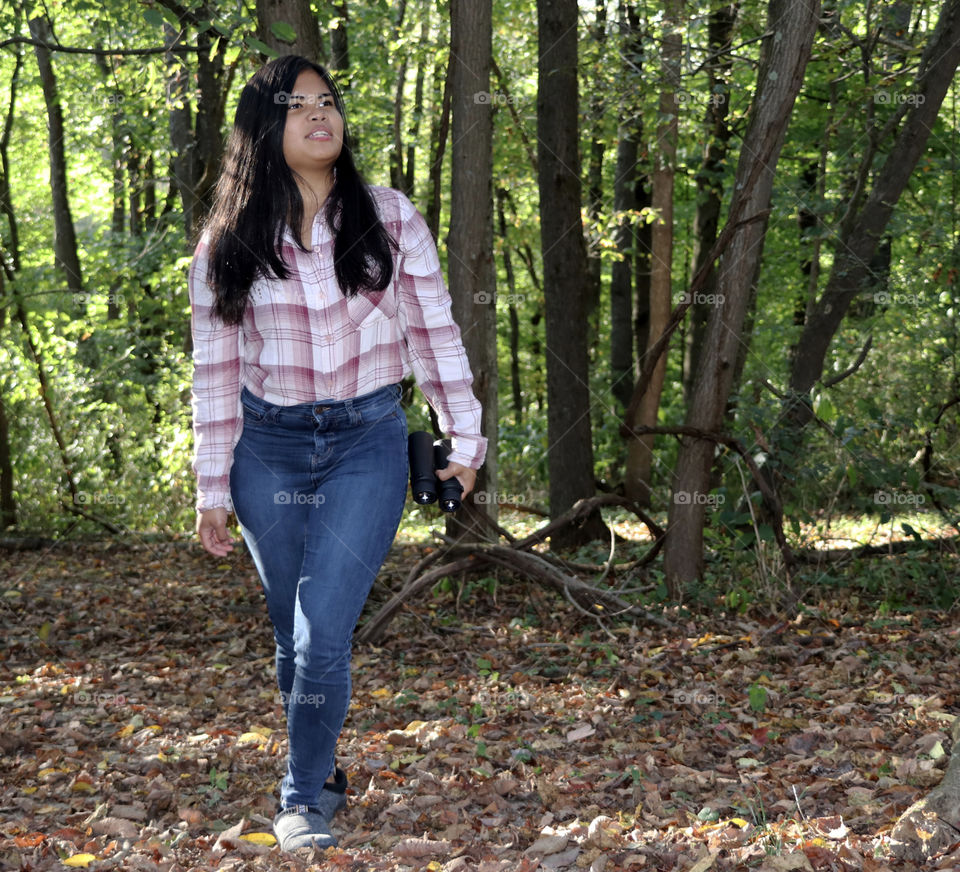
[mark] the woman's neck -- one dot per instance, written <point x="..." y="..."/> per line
<point x="313" y="193"/>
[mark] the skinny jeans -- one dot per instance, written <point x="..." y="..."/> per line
<point x="318" y="490"/>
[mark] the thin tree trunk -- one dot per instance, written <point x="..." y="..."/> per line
<point x="595" y="173"/>
<point x="64" y="237"/>
<point x="339" y="43"/>
<point x="570" y="456"/>
<point x="639" y="469"/>
<point x="784" y="59"/>
<point x="439" y="130"/>
<point x="625" y="207"/>
<point x="413" y="133"/>
<point x="514" y="317"/>
<point x="470" y="244"/>
<point x="709" y="183"/>
<point x="8" y="503"/>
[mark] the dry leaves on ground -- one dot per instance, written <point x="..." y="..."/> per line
<point x="140" y="729"/>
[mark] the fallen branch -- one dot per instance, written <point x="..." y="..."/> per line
<point x="479" y="556"/>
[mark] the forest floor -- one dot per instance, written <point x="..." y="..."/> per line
<point x="495" y="728"/>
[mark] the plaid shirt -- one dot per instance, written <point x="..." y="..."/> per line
<point x="302" y="341"/>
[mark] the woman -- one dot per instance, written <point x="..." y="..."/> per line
<point x="313" y="295"/>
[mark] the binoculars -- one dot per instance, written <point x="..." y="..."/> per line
<point x="427" y="456"/>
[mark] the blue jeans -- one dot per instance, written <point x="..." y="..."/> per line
<point x="318" y="490"/>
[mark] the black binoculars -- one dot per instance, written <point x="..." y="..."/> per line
<point x="427" y="456"/>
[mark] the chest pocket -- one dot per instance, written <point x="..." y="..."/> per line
<point x="369" y="309"/>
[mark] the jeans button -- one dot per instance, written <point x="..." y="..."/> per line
<point x="319" y="410"/>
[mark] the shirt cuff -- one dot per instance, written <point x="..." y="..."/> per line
<point x="468" y="451"/>
<point x="214" y="499"/>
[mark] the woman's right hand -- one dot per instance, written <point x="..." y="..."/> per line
<point x="212" y="530"/>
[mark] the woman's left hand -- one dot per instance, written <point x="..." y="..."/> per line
<point x="465" y="475"/>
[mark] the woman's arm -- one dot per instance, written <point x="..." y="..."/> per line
<point x="434" y="346"/>
<point x="217" y="413"/>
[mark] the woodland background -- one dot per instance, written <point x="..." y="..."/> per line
<point x="705" y="259"/>
<point x="813" y="362"/>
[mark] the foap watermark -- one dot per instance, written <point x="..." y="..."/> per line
<point x="98" y="498"/>
<point x="695" y="498"/>
<point x="83" y="299"/>
<point x="311" y="699"/>
<point x="494" y="98"/>
<point x="888" y="298"/>
<point x="485" y="298"/>
<point x="285" y="98"/>
<point x="896" y="498"/>
<point x="100" y="700"/>
<point x="897" y="97"/>
<point x="496" y="498"/>
<point x="298" y="498"/>
<point x="695" y="696"/>
<point x="684" y="98"/>
<point x="699" y="299"/>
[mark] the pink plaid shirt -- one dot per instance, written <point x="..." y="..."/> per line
<point x="302" y="341"/>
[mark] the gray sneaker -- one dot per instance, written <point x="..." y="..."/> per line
<point x="301" y="826"/>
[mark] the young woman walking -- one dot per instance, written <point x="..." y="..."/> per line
<point x="313" y="294"/>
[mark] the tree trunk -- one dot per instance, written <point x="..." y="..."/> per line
<point x="570" y="456"/>
<point x="339" y="44"/>
<point x="470" y="244"/>
<point x="784" y="59"/>
<point x="8" y="502"/>
<point x="860" y="235"/>
<point x="272" y="15"/>
<point x="625" y="206"/>
<point x="709" y="184"/>
<point x="197" y="144"/>
<point x="439" y="130"/>
<point x="639" y="469"/>
<point x="64" y="237"/>
<point x="595" y="173"/>
<point x="514" y="318"/>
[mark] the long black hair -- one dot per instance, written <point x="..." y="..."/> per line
<point x="257" y="197"/>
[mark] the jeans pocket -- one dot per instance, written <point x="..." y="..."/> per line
<point x="254" y="410"/>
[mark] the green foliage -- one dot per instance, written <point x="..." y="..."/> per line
<point x="882" y="454"/>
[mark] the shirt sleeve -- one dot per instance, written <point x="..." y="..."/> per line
<point x="434" y="347"/>
<point x="217" y="412"/>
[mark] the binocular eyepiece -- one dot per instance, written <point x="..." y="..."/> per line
<point x="427" y="456"/>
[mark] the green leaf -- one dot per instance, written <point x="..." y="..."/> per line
<point x="758" y="697"/>
<point x="910" y="532"/>
<point x="283" y="31"/>
<point x="153" y="17"/>
<point x="261" y="47"/>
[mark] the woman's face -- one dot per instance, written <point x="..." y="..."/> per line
<point x="313" y="134"/>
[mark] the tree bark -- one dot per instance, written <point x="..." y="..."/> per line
<point x="570" y="455"/>
<point x="709" y="183"/>
<point x="595" y="172"/>
<point x="298" y="15"/>
<point x="470" y="244"/>
<point x="64" y="236"/>
<point x="625" y="207"/>
<point x="784" y="58"/>
<point x="439" y="130"/>
<point x="8" y="502"/>
<point x="639" y="468"/>
<point x="514" y="317"/>
<point x="339" y="41"/>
